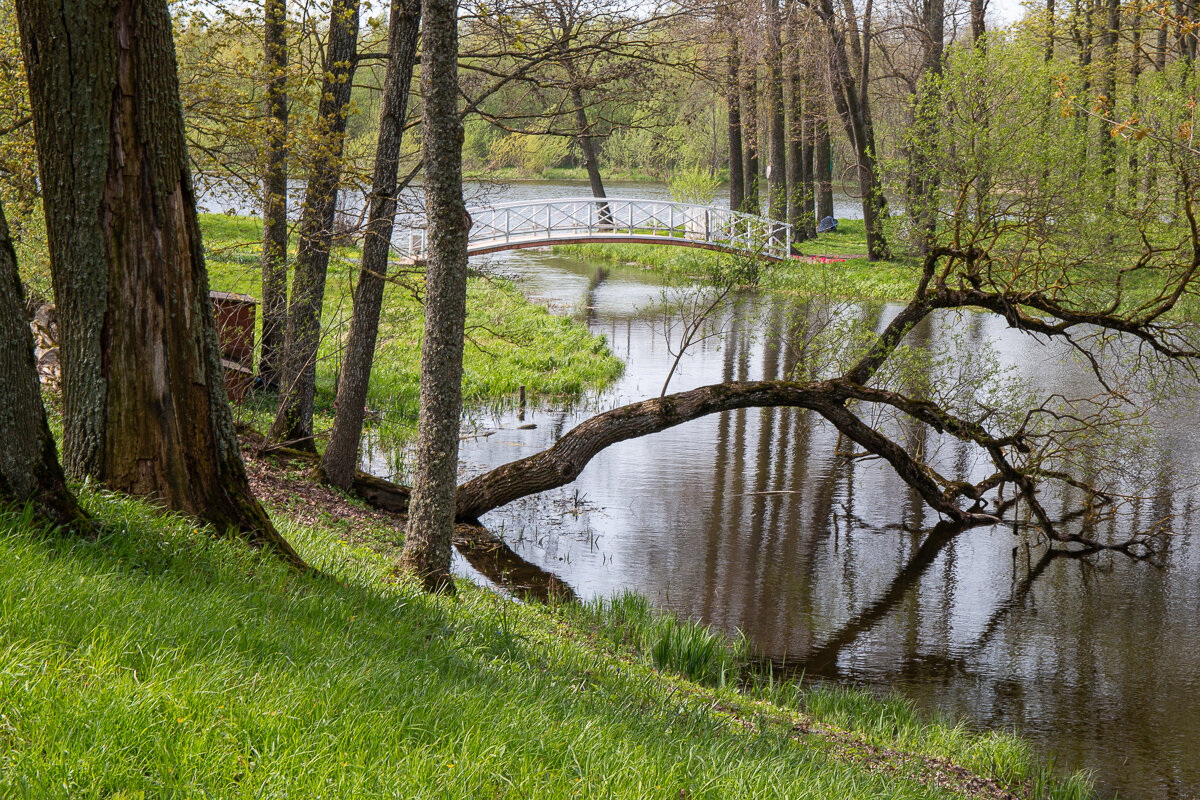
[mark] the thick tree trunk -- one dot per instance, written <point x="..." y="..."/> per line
<point x="431" y="521"/>
<point x="777" y="193"/>
<point x="29" y="468"/>
<point x="275" y="223"/>
<point x="293" y="419"/>
<point x="750" y="201"/>
<point x="128" y="266"/>
<point x="737" y="187"/>
<point x="823" y="167"/>
<point x="341" y="454"/>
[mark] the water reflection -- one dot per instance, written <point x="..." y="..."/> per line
<point x="765" y="520"/>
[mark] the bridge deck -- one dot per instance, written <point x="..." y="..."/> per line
<point x="513" y="226"/>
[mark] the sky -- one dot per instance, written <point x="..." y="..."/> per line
<point x="1002" y="12"/>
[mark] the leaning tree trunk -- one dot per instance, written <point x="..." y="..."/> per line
<point x="737" y="189"/>
<point x="145" y="406"/>
<point x="427" y="539"/>
<point x="29" y="468"/>
<point x="341" y="455"/>
<point x="275" y="223"/>
<point x="293" y="419"/>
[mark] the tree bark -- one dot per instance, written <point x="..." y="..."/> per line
<point x="341" y="454"/>
<point x="823" y="167"/>
<point x="275" y="222"/>
<point x="29" y="468"/>
<point x="1105" y="144"/>
<point x="799" y="180"/>
<point x="737" y="188"/>
<point x="751" y="204"/>
<point x="293" y="419"/>
<point x="428" y="538"/>
<point x="145" y="406"/>
<point x="777" y="194"/>
<point x="850" y="99"/>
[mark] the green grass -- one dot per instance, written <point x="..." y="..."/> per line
<point x="511" y="342"/>
<point x="160" y="661"/>
<point x="855" y="277"/>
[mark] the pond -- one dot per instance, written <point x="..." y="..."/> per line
<point x="751" y="520"/>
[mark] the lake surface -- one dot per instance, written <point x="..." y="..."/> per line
<point x="752" y="520"/>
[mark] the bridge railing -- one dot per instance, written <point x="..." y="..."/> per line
<point x="617" y="218"/>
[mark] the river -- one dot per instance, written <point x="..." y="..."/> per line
<point x="751" y="520"/>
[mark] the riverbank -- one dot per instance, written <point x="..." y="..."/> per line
<point x="511" y="342"/>
<point x="162" y="659"/>
<point x="836" y="267"/>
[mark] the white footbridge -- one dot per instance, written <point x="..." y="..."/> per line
<point x="538" y="223"/>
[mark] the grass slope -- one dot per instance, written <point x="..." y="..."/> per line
<point x="160" y="661"/>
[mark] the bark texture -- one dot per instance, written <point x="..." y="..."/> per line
<point x="428" y="539"/>
<point x="737" y="189"/>
<point x="145" y="407"/>
<point x="275" y="223"/>
<point x="777" y="194"/>
<point x="29" y="468"/>
<point x="293" y="420"/>
<point x="341" y="455"/>
<point x="749" y="108"/>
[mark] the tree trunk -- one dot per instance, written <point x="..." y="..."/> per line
<point x="293" y="419"/>
<point x="29" y="468"/>
<point x="737" y="188"/>
<point x="851" y="102"/>
<point x="1107" y="88"/>
<point x="145" y="406"/>
<point x="823" y="167"/>
<point x="799" y="182"/>
<point x="275" y="222"/>
<point x="777" y="195"/>
<point x="563" y="462"/>
<point x="922" y="186"/>
<point x="977" y="20"/>
<point x="751" y="204"/>
<point x="341" y="455"/>
<point x="591" y="161"/>
<point x="428" y="538"/>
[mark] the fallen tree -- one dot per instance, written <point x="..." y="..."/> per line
<point x="1128" y="339"/>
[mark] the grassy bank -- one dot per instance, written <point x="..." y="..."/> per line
<point x="511" y="342"/>
<point x="854" y="277"/>
<point x="160" y="661"/>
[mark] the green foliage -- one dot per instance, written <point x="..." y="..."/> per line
<point x="162" y="660"/>
<point x="529" y="154"/>
<point x="693" y="185"/>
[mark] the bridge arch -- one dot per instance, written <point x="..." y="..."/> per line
<point x="538" y="223"/>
